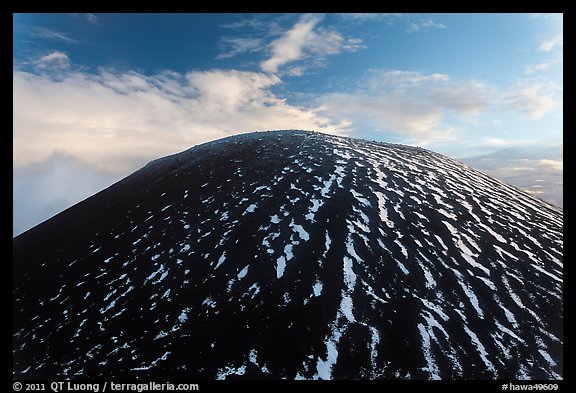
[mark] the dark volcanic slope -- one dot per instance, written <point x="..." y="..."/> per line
<point x="294" y="255"/>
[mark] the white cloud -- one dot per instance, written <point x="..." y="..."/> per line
<point x="553" y="62"/>
<point x="256" y="22"/>
<point x="54" y="35"/>
<point x="400" y="114"/>
<point x="238" y="45"/>
<point x="46" y="188"/>
<point x="303" y="40"/>
<point x="295" y="71"/>
<point x="495" y="142"/>
<point x="551" y="43"/>
<point x="53" y="60"/>
<point x="433" y="107"/>
<point x="540" y="67"/>
<point x="92" y="18"/>
<point x="117" y="122"/>
<point x="555" y="165"/>
<point x="306" y="42"/>
<point x="536" y="15"/>
<point x="424" y="25"/>
<point x="465" y="98"/>
<point x="535" y="99"/>
<point x="536" y="169"/>
<point x="366" y="16"/>
<point x="400" y="80"/>
<point x="120" y="120"/>
<point x="414" y="22"/>
<point x="290" y="46"/>
<point x="408" y="103"/>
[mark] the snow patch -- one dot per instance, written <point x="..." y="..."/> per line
<point x="317" y="288"/>
<point x="250" y="209"/>
<point x="275" y="219"/>
<point x="144" y="367"/>
<point x="183" y="317"/>
<point x="221" y="260"/>
<point x="300" y="230"/>
<point x="324" y="367"/>
<point x="243" y="273"/>
<point x="280" y="266"/>
<point x="227" y="371"/>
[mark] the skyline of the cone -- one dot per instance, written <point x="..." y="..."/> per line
<point x="324" y="258"/>
<point x="97" y="96"/>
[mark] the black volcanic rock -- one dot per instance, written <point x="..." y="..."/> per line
<point x="294" y="255"/>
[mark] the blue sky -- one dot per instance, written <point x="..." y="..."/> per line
<point x="97" y="96"/>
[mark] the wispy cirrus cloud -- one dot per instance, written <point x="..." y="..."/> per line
<point x="55" y="60"/>
<point x="552" y="43"/>
<point x="307" y="40"/>
<point x="234" y="46"/>
<point x="42" y="32"/>
<point x="413" y="22"/>
<point x="288" y="50"/>
<point x="536" y="99"/>
<point x="424" y="25"/>
<point x="290" y="46"/>
<point x="92" y="18"/>
<point x="256" y="22"/>
<point x="555" y="165"/>
<point x="553" y="56"/>
<point x="432" y="107"/>
<point x="368" y="16"/>
<point x="540" y="67"/>
<point x="88" y="17"/>
<point x="408" y="103"/>
<point x="536" y="169"/>
<point x="536" y="15"/>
